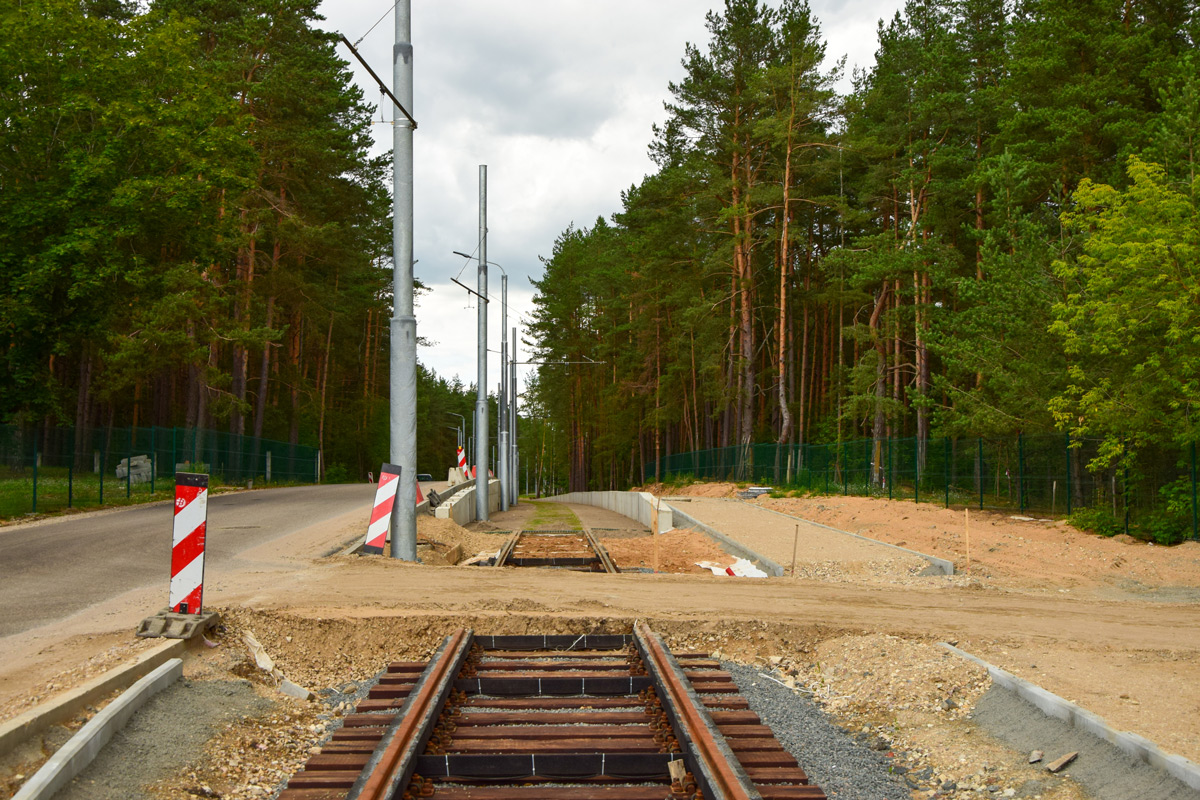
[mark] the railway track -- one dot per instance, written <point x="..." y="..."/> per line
<point x="578" y="550"/>
<point x="611" y="717"/>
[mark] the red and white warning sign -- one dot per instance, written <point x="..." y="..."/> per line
<point x="381" y="513"/>
<point x="462" y="460"/>
<point x="187" y="543"/>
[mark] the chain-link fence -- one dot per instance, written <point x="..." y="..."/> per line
<point x="1150" y="493"/>
<point x="44" y="469"/>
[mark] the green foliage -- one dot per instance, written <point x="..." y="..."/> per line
<point x="1130" y="318"/>
<point x="1097" y="520"/>
<point x="337" y="473"/>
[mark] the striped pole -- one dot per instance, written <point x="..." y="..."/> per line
<point x="187" y="548"/>
<point x="381" y="514"/>
<point x="462" y="461"/>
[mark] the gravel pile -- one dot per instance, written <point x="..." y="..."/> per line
<point x="845" y="768"/>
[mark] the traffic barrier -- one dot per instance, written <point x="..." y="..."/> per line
<point x="187" y="548"/>
<point x="462" y="460"/>
<point x="381" y="513"/>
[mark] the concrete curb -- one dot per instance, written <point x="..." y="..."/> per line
<point x="736" y="548"/>
<point x="67" y="705"/>
<point x="1057" y="707"/>
<point x="73" y="757"/>
<point x="943" y="565"/>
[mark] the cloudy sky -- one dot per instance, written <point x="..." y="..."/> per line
<point x="557" y="97"/>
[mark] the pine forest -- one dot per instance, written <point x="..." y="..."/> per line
<point x="993" y="234"/>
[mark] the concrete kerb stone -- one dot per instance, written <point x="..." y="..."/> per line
<point x="71" y="703"/>
<point x="942" y="565"/>
<point x="734" y="547"/>
<point x="1057" y="707"/>
<point x="73" y="757"/>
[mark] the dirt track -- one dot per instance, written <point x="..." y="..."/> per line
<point x="1135" y="661"/>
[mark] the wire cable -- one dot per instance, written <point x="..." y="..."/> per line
<point x="381" y="19"/>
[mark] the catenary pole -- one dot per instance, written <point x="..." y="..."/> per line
<point x="502" y="408"/>
<point x="481" y="403"/>
<point x="403" y="405"/>
<point x="513" y="464"/>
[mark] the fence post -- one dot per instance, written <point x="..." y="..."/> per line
<point x="946" y="469"/>
<point x="980" y="445"/>
<point x="1069" y="483"/>
<point x="35" y="466"/>
<point x="71" y="471"/>
<point x="103" y="460"/>
<point x="153" y="454"/>
<point x="1195" y="531"/>
<point x="1125" y="483"/>
<point x="1021" y="471"/>
<point x="129" y="466"/>
<point x="916" y="469"/>
<point x="891" y="472"/>
<point x="844" y="462"/>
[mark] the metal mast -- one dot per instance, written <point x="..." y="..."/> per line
<point x="481" y="401"/>
<point x="502" y="408"/>
<point x="403" y="416"/>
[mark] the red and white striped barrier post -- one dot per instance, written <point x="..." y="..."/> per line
<point x="462" y="461"/>
<point x="381" y="513"/>
<point x="187" y="543"/>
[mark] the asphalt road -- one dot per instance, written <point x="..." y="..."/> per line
<point x="54" y="568"/>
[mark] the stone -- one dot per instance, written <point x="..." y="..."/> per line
<point x="1059" y="764"/>
<point x="1036" y="756"/>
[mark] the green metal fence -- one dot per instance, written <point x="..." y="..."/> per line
<point x="44" y="469"/>
<point x="1152" y="494"/>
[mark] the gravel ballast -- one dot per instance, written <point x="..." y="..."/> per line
<point x="843" y="767"/>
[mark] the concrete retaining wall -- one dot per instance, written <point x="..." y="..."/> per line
<point x="460" y="506"/>
<point x="449" y="491"/>
<point x="635" y="505"/>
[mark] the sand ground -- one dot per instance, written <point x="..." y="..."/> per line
<point x="1112" y="624"/>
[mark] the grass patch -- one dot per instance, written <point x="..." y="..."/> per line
<point x="554" y="516"/>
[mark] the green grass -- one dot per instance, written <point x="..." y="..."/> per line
<point x="59" y="493"/>
<point x="553" y="516"/>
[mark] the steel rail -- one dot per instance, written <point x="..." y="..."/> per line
<point x="392" y="764"/>
<point x="719" y="769"/>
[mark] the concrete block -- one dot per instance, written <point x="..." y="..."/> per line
<point x="73" y="757"/>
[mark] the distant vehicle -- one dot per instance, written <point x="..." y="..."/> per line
<point x="422" y="477"/>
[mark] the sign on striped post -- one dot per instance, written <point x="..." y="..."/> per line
<point x="187" y="543"/>
<point x="381" y="513"/>
<point x="462" y="460"/>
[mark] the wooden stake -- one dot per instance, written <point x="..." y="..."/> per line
<point x="967" y="525"/>
<point x="654" y="529"/>
<point x="795" y="544"/>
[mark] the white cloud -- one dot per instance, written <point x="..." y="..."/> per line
<point x="557" y="97"/>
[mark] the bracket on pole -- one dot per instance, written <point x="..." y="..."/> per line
<point x="382" y="87"/>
